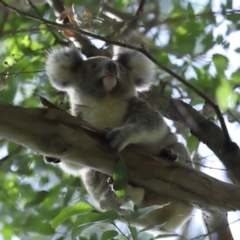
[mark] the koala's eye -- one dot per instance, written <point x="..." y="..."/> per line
<point x="93" y="65"/>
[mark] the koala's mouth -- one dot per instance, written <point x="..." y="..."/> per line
<point x="109" y="82"/>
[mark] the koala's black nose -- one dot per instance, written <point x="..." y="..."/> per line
<point x="111" y="67"/>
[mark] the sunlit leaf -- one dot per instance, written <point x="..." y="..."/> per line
<point x="220" y="62"/>
<point x="236" y="77"/>
<point x="120" y="177"/>
<point x="223" y="91"/>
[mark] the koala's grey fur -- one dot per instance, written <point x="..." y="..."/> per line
<point x="103" y="91"/>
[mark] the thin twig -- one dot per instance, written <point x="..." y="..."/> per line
<point x="34" y="8"/>
<point x="202" y="165"/>
<point x="40" y="17"/>
<point x="22" y="72"/>
<point x="113" y="223"/>
<point x="140" y="7"/>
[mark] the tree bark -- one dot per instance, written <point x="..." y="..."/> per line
<point x="55" y="133"/>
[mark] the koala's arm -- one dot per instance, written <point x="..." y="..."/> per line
<point x="140" y="67"/>
<point x="61" y="67"/>
<point x="142" y="125"/>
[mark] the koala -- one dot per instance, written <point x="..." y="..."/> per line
<point x="104" y="92"/>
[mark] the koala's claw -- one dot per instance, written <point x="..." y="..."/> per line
<point x="110" y="182"/>
<point x="168" y="154"/>
<point x="117" y="139"/>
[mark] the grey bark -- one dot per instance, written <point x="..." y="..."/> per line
<point x="54" y="133"/>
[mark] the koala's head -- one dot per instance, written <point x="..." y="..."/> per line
<point x="99" y="76"/>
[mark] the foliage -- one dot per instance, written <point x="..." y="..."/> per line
<point x="190" y="38"/>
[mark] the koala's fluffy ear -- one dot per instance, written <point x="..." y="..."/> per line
<point x="61" y="67"/>
<point x="139" y="66"/>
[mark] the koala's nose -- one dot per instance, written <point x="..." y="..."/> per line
<point x="111" y="67"/>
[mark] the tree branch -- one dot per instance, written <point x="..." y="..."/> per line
<point x="55" y="133"/>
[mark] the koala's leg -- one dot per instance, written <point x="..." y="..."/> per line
<point x="110" y="201"/>
<point x="97" y="185"/>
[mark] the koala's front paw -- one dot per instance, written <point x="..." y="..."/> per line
<point x="51" y="160"/>
<point x="118" y="139"/>
<point x="168" y="154"/>
<point x="135" y="194"/>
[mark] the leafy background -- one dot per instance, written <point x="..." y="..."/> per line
<point x="199" y="40"/>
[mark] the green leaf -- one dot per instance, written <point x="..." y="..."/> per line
<point x="168" y="235"/>
<point x="120" y="177"/>
<point x="12" y="147"/>
<point x="220" y="62"/>
<point x="43" y="29"/>
<point x="128" y="206"/>
<point x="133" y="232"/>
<point x="39" y="198"/>
<point x="26" y="41"/>
<point x="110" y="234"/>
<point x="219" y="39"/>
<point x="190" y="9"/>
<point x="192" y="143"/>
<point x="43" y="228"/>
<point x="235" y="77"/>
<point x="143" y="212"/>
<point x="91" y="219"/>
<point x="40" y="228"/>
<point x="181" y="30"/>
<point x="78" y="208"/>
<point x="223" y="91"/>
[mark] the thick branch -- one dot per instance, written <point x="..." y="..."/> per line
<point x="53" y="132"/>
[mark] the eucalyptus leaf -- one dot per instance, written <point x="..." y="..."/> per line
<point x="78" y="208"/>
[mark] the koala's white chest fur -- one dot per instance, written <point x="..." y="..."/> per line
<point x="108" y="112"/>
